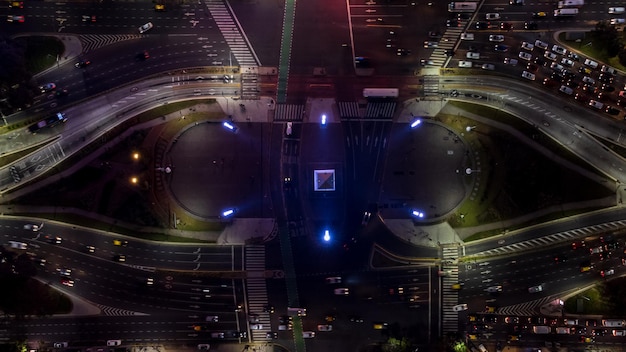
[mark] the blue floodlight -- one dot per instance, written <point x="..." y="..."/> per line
<point x="416" y="123"/>
<point x="418" y="214"/>
<point x="228" y="212"/>
<point x="323" y="119"/>
<point x="326" y="235"/>
<point x="229" y="125"/>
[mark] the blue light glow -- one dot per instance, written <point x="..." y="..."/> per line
<point x="326" y="235"/>
<point x="418" y="214"/>
<point x="228" y="212"/>
<point x="229" y="125"/>
<point x="323" y="119"/>
<point x="416" y="123"/>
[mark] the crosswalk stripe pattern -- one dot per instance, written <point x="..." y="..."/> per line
<point x="431" y="85"/>
<point x="289" y="112"/>
<point x="525" y="309"/>
<point x="94" y="41"/>
<point x="554" y="238"/>
<point x="117" y="312"/>
<point x="348" y="109"/>
<point x="256" y="290"/>
<point x="449" y="297"/>
<point x="234" y="37"/>
<point x="380" y="110"/>
<point x="448" y="41"/>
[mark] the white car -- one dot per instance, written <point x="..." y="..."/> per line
<point x="429" y="44"/>
<point x="550" y="55"/>
<point x="493" y="289"/>
<point x="308" y="334"/>
<point x="212" y="318"/>
<point x="460" y="307"/>
<point x="591" y="63"/>
<point x="556" y="67"/>
<point x="535" y="289"/>
<point x="467" y="36"/>
<point x="617" y="10"/>
<point x="559" y="49"/>
<point x="333" y="280"/>
<point x="65" y="272"/>
<point x="256" y="327"/>
<point x="496" y="38"/>
<point x="146" y="27"/>
<point x="492" y="16"/>
<point x="525" y="56"/>
<point x="489" y="67"/>
<point x="324" y="328"/>
<point x="596" y="104"/>
<point x="528" y="75"/>
<point x="567" y="62"/>
<point x="589" y="80"/>
<point x="33" y="227"/>
<point x="618" y="20"/>
<point x="472" y="55"/>
<point x="528" y="46"/>
<point x="466" y="64"/>
<point x="510" y="61"/>
<point x="567" y="90"/>
<point x="540" y="44"/>
<point x="289" y="129"/>
<point x="342" y="291"/>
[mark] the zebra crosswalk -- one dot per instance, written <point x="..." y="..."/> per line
<point x="233" y="35"/>
<point x="449" y="297"/>
<point x="431" y="85"/>
<point x="289" y="112"/>
<point x="554" y="238"/>
<point x="447" y="42"/>
<point x="256" y="291"/>
<point x="95" y="41"/>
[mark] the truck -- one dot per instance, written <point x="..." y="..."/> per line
<point x="566" y="12"/>
<point x="542" y="329"/>
<point x="51" y="121"/>
<point x="570" y="3"/>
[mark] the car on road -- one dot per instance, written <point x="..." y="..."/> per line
<point x="16" y="4"/>
<point x="53" y="239"/>
<point x="589" y="80"/>
<point x="496" y="38"/>
<point x="492" y="16"/>
<point x="506" y="26"/>
<point x="501" y="48"/>
<point x="567" y="90"/>
<point x="120" y="243"/>
<point x="143" y="56"/>
<point x="44" y="88"/>
<point x="256" y="327"/>
<point x="119" y="258"/>
<point x="89" y="18"/>
<point x="559" y="49"/>
<point x="591" y="63"/>
<point x="528" y="46"/>
<point x="550" y="55"/>
<point x="472" y="55"/>
<point x="308" y="334"/>
<point x="493" y="289"/>
<point x="204" y="347"/>
<point x="531" y="26"/>
<point x="540" y="14"/>
<point x="535" y="289"/>
<point x="612" y="110"/>
<point x="608" y="272"/>
<point x="467" y="36"/>
<point x="15" y="19"/>
<point x="453" y="22"/>
<point x="460" y="307"/>
<point x="528" y="75"/>
<point x="65" y="272"/>
<point x="90" y="249"/>
<point x="482" y="25"/>
<point x="617" y="10"/>
<point x="567" y="62"/>
<point x="466" y="64"/>
<point x="525" y="56"/>
<point x="343" y="291"/>
<point x="82" y="64"/>
<point x="67" y="282"/>
<point x="541" y="44"/>
<point x="596" y="104"/>
<point x="510" y="61"/>
<point x="333" y="280"/>
<point x="146" y="27"/>
<point x="430" y="44"/>
<point x="159" y="7"/>
<point x="489" y="67"/>
<point x="511" y="320"/>
<point x="324" y="327"/>
<point x="556" y="67"/>
<point x="615" y="21"/>
<point x="218" y="335"/>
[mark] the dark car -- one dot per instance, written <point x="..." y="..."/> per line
<point x="612" y="111"/>
<point x="453" y="23"/>
<point x="83" y="64"/>
<point x="464" y="16"/>
<point x="482" y="25"/>
<point x="144" y="55"/>
<point x="89" y="18"/>
<point x="607" y="88"/>
<point x="530" y="26"/>
<point x="606" y="78"/>
<point x="501" y="48"/>
<point x="506" y="26"/>
<point x="557" y="77"/>
<point x="403" y="52"/>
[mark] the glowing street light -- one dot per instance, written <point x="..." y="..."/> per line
<point x="324" y="120"/>
<point x="134" y="180"/>
<point x="229" y="125"/>
<point x="418" y="214"/>
<point x="135" y="156"/>
<point x="326" y="235"/>
<point x="228" y="212"/>
<point x="416" y="123"/>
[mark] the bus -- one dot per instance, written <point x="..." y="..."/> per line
<point x="380" y="93"/>
<point x="464" y="6"/>
<point x="565" y="12"/>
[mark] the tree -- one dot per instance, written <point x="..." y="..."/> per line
<point x="396" y="345"/>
